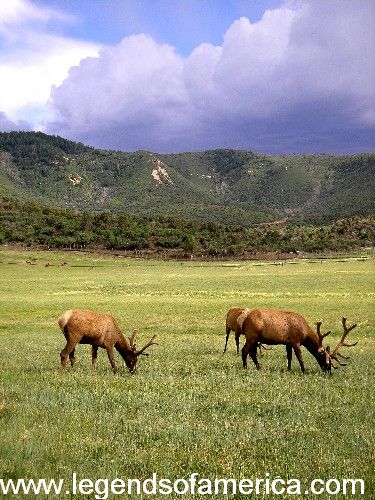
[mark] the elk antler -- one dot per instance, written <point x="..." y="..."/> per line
<point x="132" y="339"/>
<point x="262" y="346"/>
<point x="336" y="355"/>
<point x="150" y="342"/>
<point x="321" y="335"/>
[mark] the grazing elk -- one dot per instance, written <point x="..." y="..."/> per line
<point x="234" y="320"/>
<point x="291" y="329"/>
<point x="232" y="325"/>
<point x="98" y="330"/>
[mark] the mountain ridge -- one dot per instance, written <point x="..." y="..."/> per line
<point x="224" y="185"/>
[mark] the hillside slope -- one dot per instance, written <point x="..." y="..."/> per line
<point x="231" y="187"/>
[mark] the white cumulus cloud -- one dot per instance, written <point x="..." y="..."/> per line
<point x="307" y="68"/>
<point x="301" y="78"/>
<point x="32" y="60"/>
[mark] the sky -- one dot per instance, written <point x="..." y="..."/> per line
<point x="275" y="76"/>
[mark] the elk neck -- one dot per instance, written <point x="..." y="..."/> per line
<point x="122" y="345"/>
<point x="311" y="343"/>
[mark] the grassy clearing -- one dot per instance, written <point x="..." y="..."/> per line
<point x="188" y="408"/>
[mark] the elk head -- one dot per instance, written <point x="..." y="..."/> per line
<point x="335" y="355"/>
<point x="323" y="357"/>
<point x="131" y="356"/>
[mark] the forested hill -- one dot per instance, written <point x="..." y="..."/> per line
<point x="226" y="186"/>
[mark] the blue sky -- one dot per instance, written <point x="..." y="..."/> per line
<point x="182" y="23"/>
<point x="279" y="76"/>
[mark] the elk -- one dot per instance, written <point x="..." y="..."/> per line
<point x="98" y="330"/>
<point x="273" y="327"/>
<point x="231" y="325"/>
<point x="234" y="321"/>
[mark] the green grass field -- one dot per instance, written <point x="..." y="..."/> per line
<point x="188" y="408"/>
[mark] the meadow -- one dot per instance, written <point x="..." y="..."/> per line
<point x="188" y="408"/>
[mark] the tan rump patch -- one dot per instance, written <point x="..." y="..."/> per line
<point x="64" y="318"/>
<point x="241" y="317"/>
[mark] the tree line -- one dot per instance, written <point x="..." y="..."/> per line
<point x="34" y="224"/>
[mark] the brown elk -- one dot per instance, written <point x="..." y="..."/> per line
<point x="98" y="330"/>
<point x="231" y="324"/>
<point x="273" y="327"/>
<point x="234" y="320"/>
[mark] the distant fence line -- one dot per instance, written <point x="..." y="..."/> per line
<point x="157" y="254"/>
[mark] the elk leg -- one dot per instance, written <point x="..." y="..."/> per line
<point x="289" y="354"/>
<point x="111" y="357"/>
<point x="245" y="352"/>
<point x="70" y="346"/>
<point x="237" y="339"/>
<point x="253" y="355"/>
<point x="297" y="352"/>
<point x="226" y="340"/>
<point x="94" y="357"/>
<point x="72" y="357"/>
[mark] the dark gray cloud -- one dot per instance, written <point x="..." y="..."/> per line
<point x="301" y="79"/>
